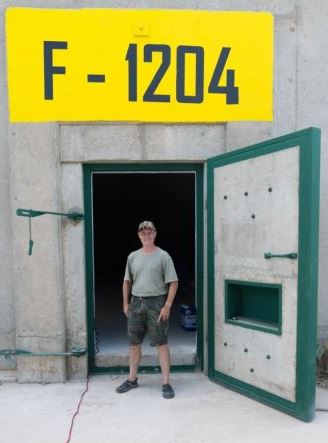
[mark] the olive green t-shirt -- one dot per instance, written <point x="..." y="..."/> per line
<point x="150" y="274"/>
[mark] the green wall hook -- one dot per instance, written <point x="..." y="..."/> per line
<point x="292" y="255"/>
<point x="30" y="246"/>
<point x="74" y="352"/>
<point x="30" y="213"/>
<point x="33" y="213"/>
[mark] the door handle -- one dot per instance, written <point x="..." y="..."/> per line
<point x="292" y="255"/>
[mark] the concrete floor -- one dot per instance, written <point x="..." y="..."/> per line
<point x="201" y="412"/>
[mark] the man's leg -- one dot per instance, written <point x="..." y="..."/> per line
<point x="135" y="357"/>
<point x="164" y="361"/>
<point x="158" y="337"/>
<point x="132" y="381"/>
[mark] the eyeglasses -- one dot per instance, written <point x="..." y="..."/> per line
<point x="149" y="233"/>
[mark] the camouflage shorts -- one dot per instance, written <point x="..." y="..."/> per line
<point x="143" y="316"/>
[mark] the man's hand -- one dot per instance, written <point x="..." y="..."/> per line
<point x="165" y="313"/>
<point x="126" y="292"/>
<point x="126" y="308"/>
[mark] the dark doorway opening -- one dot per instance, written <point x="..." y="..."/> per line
<point x="121" y="200"/>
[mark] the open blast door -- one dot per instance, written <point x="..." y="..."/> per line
<point x="263" y="211"/>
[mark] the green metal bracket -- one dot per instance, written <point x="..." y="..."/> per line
<point x="30" y="213"/>
<point x="292" y="255"/>
<point x="74" y="352"/>
<point x="75" y="216"/>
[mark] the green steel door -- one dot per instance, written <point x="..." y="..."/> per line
<point x="263" y="210"/>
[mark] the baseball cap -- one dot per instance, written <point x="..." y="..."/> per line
<point x="146" y="225"/>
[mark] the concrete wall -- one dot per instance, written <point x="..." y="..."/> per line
<point x="38" y="278"/>
<point x="43" y="296"/>
<point x="312" y="99"/>
<point x="7" y="312"/>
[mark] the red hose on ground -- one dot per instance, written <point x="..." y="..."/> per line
<point x="77" y="411"/>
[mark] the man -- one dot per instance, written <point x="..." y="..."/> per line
<point x="151" y="278"/>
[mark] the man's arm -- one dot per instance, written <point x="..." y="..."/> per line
<point x="166" y="309"/>
<point x="126" y="292"/>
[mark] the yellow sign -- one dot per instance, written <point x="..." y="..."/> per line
<point x="139" y="65"/>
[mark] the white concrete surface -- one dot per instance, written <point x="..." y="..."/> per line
<point x="201" y="412"/>
<point x="240" y="244"/>
<point x="7" y="312"/>
<point x="72" y="242"/>
<point x="141" y="142"/>
<point x="36" y="162"/>
<point x="38" y="294"/>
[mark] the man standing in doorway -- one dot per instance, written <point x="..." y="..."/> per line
<point x="151" y="278"/>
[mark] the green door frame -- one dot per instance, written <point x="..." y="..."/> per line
<point x="308" y="141"/>
<point x="88" y="170"/>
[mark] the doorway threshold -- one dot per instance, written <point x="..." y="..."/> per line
<point x="113" y="351"/>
